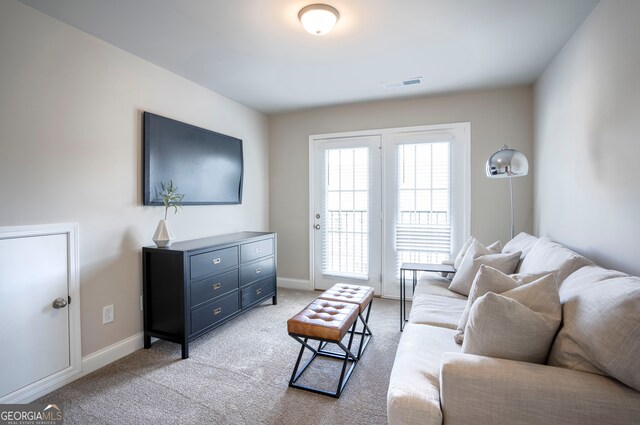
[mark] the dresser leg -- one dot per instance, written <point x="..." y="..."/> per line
<point x="147" y="341"/>
<point x="185" y="350"/>
<point x="275" y="299"/>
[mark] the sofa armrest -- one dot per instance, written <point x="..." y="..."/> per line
<point x="485" y="390"/>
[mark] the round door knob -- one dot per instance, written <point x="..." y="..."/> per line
<point x="59" y="303"/>
<point x="317" y="227"/>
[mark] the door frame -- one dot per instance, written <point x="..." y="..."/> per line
<point x="465" y="127"/>
<point x="44" y="385"/>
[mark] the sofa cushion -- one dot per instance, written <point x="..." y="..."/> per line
<point x="476" y="256"/>
<point x="584" y="278"/>
<point x="489" y="279"/>
<point x="414" y="385"/>
<point x="601" y="327"/>
<point x="549" y="255"/>
<point x="432" y="310"/>
<point x="431" y="284"/>
<point x="519" y="324"/>
<point x="522" y="242"/>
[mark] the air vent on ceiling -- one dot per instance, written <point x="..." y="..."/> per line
<point x="408" y="82"/>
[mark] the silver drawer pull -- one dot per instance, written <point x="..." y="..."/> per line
<point x="217" y="260"/>
<point x="258" y="291"/>
<point x="258" y="270"/>
<point x="217" y="311"/>
<point x="258" y="250"/>
<point x="216" y="286"/>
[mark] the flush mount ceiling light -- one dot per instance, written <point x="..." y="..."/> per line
<point x="318" y="19"/>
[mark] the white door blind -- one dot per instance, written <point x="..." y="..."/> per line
<point x="423" y="225"/>
<point x="346" y="213"/>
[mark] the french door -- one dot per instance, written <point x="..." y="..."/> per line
<point x="386" y="197"/>
<point x="347" y="211"/>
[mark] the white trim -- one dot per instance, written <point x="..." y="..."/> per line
<point x="386" y="131"/>
<point x="110" y="354"/>
<point x="71" y="230"/>
<point x="90" y="363"/>
<point x="312" y="173"/>
<point x="304" y="284"/>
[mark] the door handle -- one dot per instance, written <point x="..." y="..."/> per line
<point x="59" y="303"/>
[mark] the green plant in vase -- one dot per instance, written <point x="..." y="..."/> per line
<point x="163" y="236"/>
<point x="171" y="197"/>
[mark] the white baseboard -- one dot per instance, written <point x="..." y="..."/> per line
<point x="90" y="363"/>
<point x="110" y="354"/>
<point x="285" y="282"/>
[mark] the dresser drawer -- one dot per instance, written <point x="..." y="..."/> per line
<point x="258" y="291"/>
<point x="209" y="314"/>
<point x="257" y="270"/>
<point x="212" y="287"/>
<point x="254" y="250"/>
<point x="213" y="261"/>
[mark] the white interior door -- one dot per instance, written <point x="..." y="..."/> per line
<point x="347" y="212"/>
<point x="40" y="339"/>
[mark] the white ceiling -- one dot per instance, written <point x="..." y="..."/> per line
<point x="256" y="51"/>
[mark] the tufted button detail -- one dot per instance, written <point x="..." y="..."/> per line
<point x="324" y="319"/>
<point x="352" y="294"/>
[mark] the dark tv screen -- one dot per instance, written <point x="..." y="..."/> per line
<point x="205" y="166"/>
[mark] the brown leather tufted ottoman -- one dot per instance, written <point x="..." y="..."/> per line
<point x="324" y="321"/>
<point x="354" y="294"/>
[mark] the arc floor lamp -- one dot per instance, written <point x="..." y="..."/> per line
<point x="508" y="163"/>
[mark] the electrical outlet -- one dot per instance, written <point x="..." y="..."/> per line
<point x="107" y="314"/>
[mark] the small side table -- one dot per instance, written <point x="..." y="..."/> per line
<point x="415" y="268"/>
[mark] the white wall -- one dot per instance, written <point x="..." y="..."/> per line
<point x="497" y="117"/>
<point x="70" y="151"/>
<point x="587" y="143"/>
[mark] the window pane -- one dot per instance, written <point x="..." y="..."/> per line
<point x="346" y="213"/>
<point x="423" y="226"/>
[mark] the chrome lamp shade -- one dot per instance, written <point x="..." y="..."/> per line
<point x="508" y="163"/>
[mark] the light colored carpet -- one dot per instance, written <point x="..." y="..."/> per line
<point x="237" y="374"/>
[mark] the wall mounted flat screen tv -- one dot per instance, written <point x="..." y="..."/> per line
<point x="205" y="166"/>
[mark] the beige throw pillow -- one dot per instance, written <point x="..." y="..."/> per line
<point x="463" y="250"/>
<point x="476" y="256"/>
<point x="489" y="279"/>
<point x="494" y="248"/>
<point x="601" y="325"/>
<point x="519" y="324"/>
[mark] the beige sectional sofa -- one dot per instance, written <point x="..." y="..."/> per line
<point x="592" y="372"/>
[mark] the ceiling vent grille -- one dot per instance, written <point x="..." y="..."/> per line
<point x="408" y="82"/>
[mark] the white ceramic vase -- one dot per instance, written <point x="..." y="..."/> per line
<point x="164" y="235"/>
